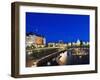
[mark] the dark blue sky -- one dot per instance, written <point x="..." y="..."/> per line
<point x="55" y="27"/>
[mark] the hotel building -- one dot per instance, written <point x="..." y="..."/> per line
<point x="36" y="40"/>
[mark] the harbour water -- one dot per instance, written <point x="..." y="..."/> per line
<point x="76" y="56"/>
<point x="67" y="58"/>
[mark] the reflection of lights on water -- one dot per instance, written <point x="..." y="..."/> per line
<point x="62" y="59"/>
<point x="48" y="63"/>
<point x="80" y="56"/>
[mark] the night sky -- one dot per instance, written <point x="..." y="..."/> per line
<point x="55" y="27"/>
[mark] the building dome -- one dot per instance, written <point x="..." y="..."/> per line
<point x="78" y="42"/>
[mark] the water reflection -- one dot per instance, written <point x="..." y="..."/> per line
<point x="68" y="58"/>
<point x="74" y="56"/>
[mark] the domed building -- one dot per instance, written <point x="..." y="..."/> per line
<point x="78" y="43"/>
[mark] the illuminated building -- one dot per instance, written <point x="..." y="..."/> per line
<point x="34" y="39"/>
<point x="78" y="42"/>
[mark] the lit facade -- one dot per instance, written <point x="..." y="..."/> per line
<point x="30" y="40"/>
<point x="35" y="40"/>
<point x="39" y="40"/>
